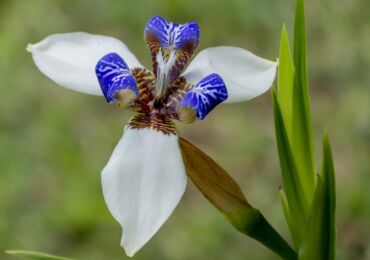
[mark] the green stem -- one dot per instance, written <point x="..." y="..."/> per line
<point x="258" y="228"/>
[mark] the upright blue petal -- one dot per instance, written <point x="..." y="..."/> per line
<point x="167" y="37"/>
<point x="170" y="34"/>
<point x="114" y="75"/>
<point x="206" y="95"/>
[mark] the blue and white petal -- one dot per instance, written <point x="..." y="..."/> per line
<point x="114" y="75"/>
<point x="142" y="183"/>
<point x="69" y="59"/>
<point x="166" y="39"/>
<point x="245" y="74"/>
<point x="203" y="97"/>
<point x="172" y="35"/>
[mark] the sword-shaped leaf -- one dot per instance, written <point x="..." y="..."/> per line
<point x="35" y="255"/>
<point x="297" y="203"/>
<point x="301" y="134"/>
<point x="285" y="80"/>
<point x="319" y="238"/>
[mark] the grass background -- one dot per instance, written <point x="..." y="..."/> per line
<point x="54" y="142"/>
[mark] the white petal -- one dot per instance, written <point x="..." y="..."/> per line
<point x="142" y="183"/>
<point x="69" y="59"/>
<point x="245" y="74"/>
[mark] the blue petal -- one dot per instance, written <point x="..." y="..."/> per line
<point x="170" y="34"/>
<point x="206" y="95"/>
<point x="114" y="75"/>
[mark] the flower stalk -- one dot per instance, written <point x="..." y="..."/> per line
<point x="225" y="194"/>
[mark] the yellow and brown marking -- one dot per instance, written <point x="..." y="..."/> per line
<point x="154" y="47"/>
<point x="183" y="57"/>
<point x="145" y="81"/>
<point x="177" y="91"/>
<point x="153" y="121"/>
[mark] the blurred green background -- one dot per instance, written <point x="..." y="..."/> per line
<point x="54" y="142"/>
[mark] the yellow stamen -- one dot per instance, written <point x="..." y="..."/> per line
<point x="125" y="97"/>
<point x="186" y="114"/>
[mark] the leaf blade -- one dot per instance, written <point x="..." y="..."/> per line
<point x="285" y="79"/>
<point x="296" y="199"/>
<point x="35" y="255"/>
<point x="319" y="238"/>
<point x="301" y="135"/>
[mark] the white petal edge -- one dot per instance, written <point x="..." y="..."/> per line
<point x="142" y="183"/>
<point x="69" y="59"/>
<point x="245" y="74"/>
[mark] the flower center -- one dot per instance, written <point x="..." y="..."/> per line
<point x="158" y="113"/>
<point x="164" y="94"/>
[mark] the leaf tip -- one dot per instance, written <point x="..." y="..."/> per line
<point x="284" y="31"/>
<point x="326" y="146"/>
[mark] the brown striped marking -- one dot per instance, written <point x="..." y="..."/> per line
<point x="153" y="121"/>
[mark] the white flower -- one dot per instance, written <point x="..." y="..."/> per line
<point x="145" y="176"/>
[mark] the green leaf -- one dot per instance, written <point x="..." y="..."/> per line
<point x="285" y="80"/>
<point x="35" y="255"/>
<point x="297" y="203"/>
<point x="225" y="194"/>
<point x="319" y="237"/>
<point x="300" y="134"/>
<point x="293" y="97"/>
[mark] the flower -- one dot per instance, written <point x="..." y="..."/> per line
<point x="145" y="176"/>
